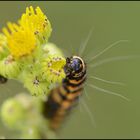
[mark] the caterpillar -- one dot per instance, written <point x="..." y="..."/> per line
<point x="3" y="79"/>
<point x="62" y="98"/>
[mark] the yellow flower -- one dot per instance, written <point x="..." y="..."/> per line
<point x="38" y="21"/>
<point x="53" y="68"/>
<point x="21" y="41"/>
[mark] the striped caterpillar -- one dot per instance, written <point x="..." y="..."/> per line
<point x="62" y="98"/>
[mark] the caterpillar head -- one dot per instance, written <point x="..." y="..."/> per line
<point x="75" y="66"/>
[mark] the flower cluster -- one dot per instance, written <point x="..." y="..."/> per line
<point x="27" y="56"/>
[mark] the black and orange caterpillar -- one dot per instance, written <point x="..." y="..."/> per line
<point x="64" y="97"/>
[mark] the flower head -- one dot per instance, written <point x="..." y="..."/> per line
<point x="10" y="68"/>
<point x="51" y="49"/>
<point x="37" y="21"/>
<point x="12" y="113"/>
<point x="35" y="84"/>
<point x="21" y="41"/>
<point x="53" y="68"/>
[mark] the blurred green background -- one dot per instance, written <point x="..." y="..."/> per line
<point x="112" y="21"/>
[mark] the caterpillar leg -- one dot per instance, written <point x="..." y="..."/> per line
<point x="3" y="80"/>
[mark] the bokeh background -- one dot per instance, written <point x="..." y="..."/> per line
<point x="71" y="22"/>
